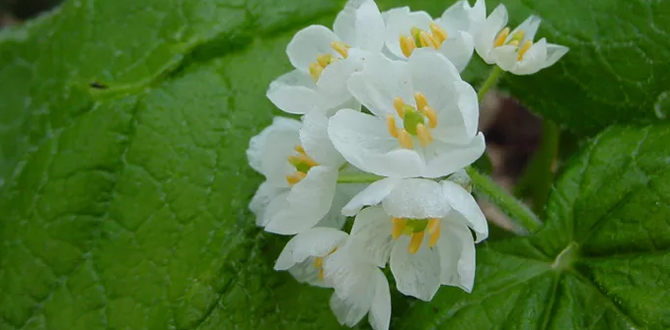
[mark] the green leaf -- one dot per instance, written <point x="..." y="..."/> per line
<point x="601" y="262"/>
<point x="615" y="71"/>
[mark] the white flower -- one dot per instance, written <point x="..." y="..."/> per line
<point x="515" y="51"/>
<point x="324" y="60"/>
<point x="422" y="227"/>
<point x="449" y="35"/>
<point x="301" y="169"/>
<point x="325" y="257"/>
<point x="424" y="123"/>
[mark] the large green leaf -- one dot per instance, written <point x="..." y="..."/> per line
<point x="601" y="262"/>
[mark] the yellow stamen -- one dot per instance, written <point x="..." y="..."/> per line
<point x="420" y="100"/>
<point x="341" y="48"/>
<point x="405" y="139"/>
<point x="415" y="242"/>
<point x="299" y="149"/>
<point x="399" y="106"/>
<point x="318" y="262"/>
<point x="315" y="70"/>
<point x="295" y="178"/>
<point x="514" y="43"/>
<point x="321" y="274"/>
<point x="407" y="45"/>
<point x="423" y="134"/>
<point x="302" y="159"/>
<point x="390" y="124"/>
<point x="524" y="49"/>
<point x="432" y="116"/>
<point x="501" y="37"/>
<point x="324" y="60"/>
<point x="434" y="237"/>
<point x="427" y="40"/>
<point x="433" y="226"/>
<point x="439" y="34"/>
<point x="415" y="32"/>
<point x="399" y="225"/>
<point x="518" y="35"/>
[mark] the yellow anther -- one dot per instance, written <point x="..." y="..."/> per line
<point x="341" y="48"/>
<point x="420" y="100"/>
<point x="318" y="262"/>
<point x="399" y="225"/>
<point x="324" y="60"/>
<point x="439" y="34"/>
<point x="315" y="70"/>
<point x="390" y="124"/>
<point x="514" y="43"/>
<point x="295" y="178"/>
<point x="407" y="45"/>
<point x="524" y="49"/>
<point x="434" y="237"/>
<point x="433" y="226"/>
<point x="432" y="116"/>
<point x="501" y="37"/>
<point x="302" y="159"/>
<point x="405" y="139"/>
<point x="321" y="274"/>
<point x="427" y="40"/>
<point x="299" y="149"/>
<point x="399" y="106"/>
<point x="415" y="242"/>
<point x="423" y="134"/>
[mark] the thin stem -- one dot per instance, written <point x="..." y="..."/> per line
<point x="515" y="209"/>
<point x="491" y="81"/>
<point x="358" y="178"/>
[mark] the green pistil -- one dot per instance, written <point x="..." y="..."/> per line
<point x="415" y="226"/>
<point x="412" y="118"/>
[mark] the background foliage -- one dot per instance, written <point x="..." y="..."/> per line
<point x="124" y="184"/>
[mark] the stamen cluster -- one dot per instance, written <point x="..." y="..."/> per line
<point x="387" y="127"/>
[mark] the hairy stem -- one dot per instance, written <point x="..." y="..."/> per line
<point x="521" y="215"/>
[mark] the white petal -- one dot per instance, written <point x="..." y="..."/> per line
<point x="529" y="27"/>
<point x="379" y="83"/>
<point x="309" y="43"/>
<point x="309" y="201"/>
<point x="467" y="209"/>
<point x="364" y="142"/>
<point x="315" y="242"/>
<point x="349" y="311"/>
<point x="264" y="195"/>
<point x="554" y="53"/>
<point x="457" y="255"/>
<point x="269" y="150"/>
<point x="294" y="92"/>
<point x="315" y="141"/>
<point x="360" y="24"/>
<point x="458" y="49"/>
<point x="305" y="272"/>
<point x="372" y="228"/>
<point x="433" y="75"/>
<point x="332" y="84"/>
<point x="277" y="206"/>
<point x="399" y="23"/>
<point x="416" y="275"/>
<point x="456" y="18"/>
<point x="486" y="34"/>
<point x="506" y="57"/>
<point x="343" y="194"/>
<point x="380" y="311"/>
<point x="461" y="178"/>
<point x="443" y="159"/>
<point x="349" y="271"/>
<point x="372" y="195"/>
<point x="416" y="199"/>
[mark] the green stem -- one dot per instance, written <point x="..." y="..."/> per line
<point x="515" y="209"/>
<point x="491" y="81"/>
<point x="358" y="178"/>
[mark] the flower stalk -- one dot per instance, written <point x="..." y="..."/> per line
<point x="491" y="81"/>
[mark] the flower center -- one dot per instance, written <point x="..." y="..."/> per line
<point x="302" y="163"/>
<point x="419" y="38"/>
<point x="503" y="38"/>
<point x="415" y="121"/>
<point x="322" y="61"/>
<point x="416" y="229"/>
<point x="318" y="262"/>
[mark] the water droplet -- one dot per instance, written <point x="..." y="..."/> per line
<point x="662" y="104"/>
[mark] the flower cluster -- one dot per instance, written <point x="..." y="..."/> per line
<point x="387" y="128"/>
